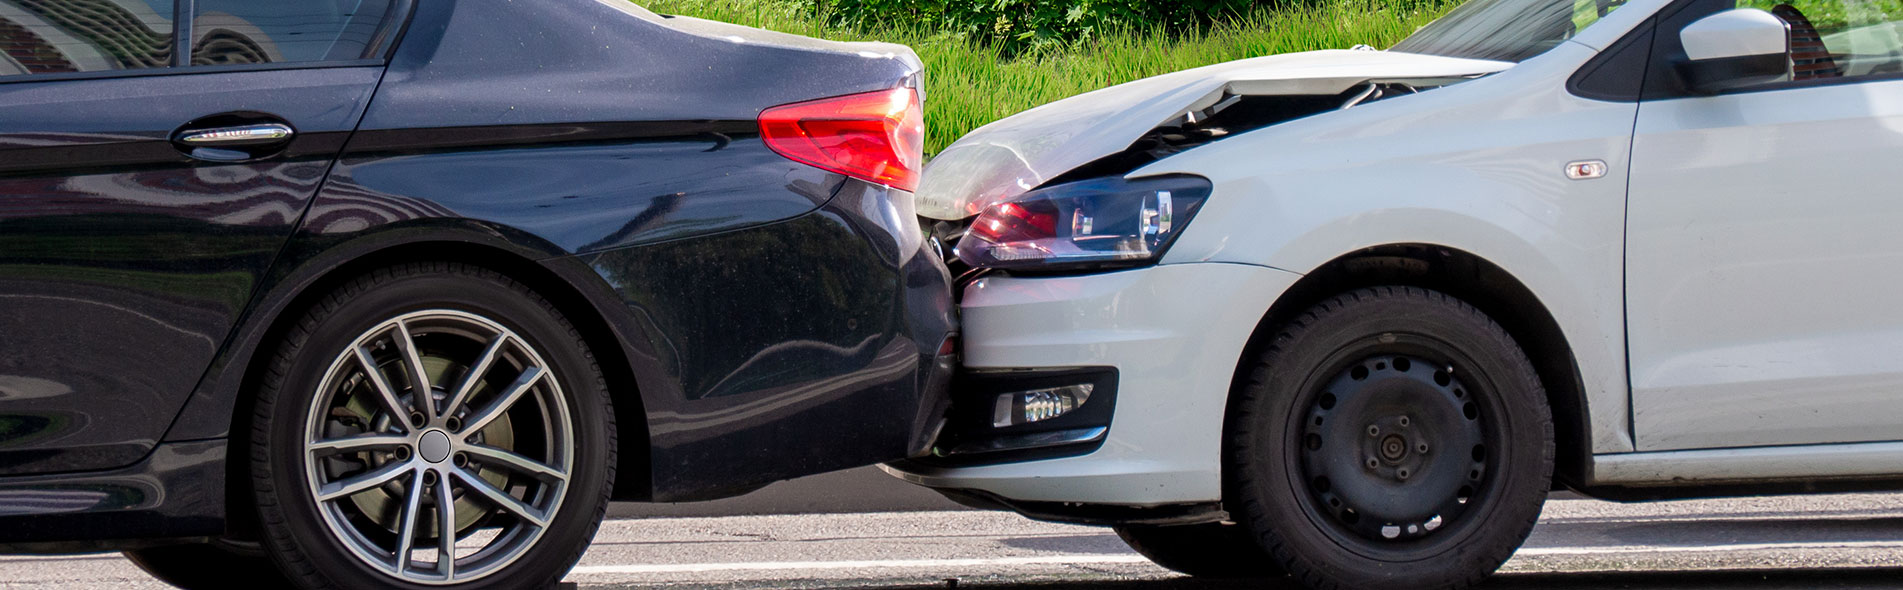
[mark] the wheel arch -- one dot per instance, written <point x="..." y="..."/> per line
<point x="1480" y="283"/>
<point x="633" y="474"/>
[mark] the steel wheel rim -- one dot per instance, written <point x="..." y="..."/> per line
<point x="388" y="444"/>
<point x="1439" y="380"/>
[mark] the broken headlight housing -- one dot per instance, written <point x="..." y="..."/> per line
<point x="1091" y="224"/>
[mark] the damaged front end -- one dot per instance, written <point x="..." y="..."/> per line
<point x="1096" y="138"/>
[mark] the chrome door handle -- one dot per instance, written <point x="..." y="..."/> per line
<point x="245" y="134"/>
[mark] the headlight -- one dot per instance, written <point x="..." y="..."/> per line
<point x="1098" y="223"/>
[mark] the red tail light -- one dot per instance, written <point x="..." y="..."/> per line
<point x="878" y="137"/>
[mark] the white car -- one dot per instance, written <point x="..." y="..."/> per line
<point x="1350" y="315"/>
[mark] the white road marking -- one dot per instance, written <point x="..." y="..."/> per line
<point x="1706" y="519"/>
<point x="851" y="565"/>
<point x="685" y="568"/>
<point x="1543" y="551"/>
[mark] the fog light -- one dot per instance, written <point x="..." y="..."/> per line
<point x="1039" y="405"/>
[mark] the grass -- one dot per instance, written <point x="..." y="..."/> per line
<point x="970" y="84"/>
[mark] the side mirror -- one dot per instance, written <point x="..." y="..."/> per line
<point x="1734" y="49"/>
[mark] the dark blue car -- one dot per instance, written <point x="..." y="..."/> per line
<point x="400" y="293"/>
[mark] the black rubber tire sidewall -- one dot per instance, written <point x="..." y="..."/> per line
<point x="294" y="531"/>
<point x="1260" y="487"/>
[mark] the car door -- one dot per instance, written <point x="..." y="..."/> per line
<point x="1764" y="251"/>
<point x="153" y="160"/>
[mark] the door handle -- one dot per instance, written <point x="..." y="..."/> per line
<point x="261" y="134"/>
<point x="234" y="137"/>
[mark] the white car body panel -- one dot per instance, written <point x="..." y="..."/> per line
<point x="1731" y="343"/>
<point x="1719" y="466"/>
<point x="1416" y="169"/>
<point x="1009" y="157"/>
<point x="1725" y="35"/>
<point x="1435" y="169"/>
<point x="1763" y="266"/>
<point x="1175" y="361"/>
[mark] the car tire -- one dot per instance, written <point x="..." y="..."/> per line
<point x="208" y="566"/>
<point x="519" y="436"/>
<point x="1392" y="437"/>
<point x="1209" y="550"/>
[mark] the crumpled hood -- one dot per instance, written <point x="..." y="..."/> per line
<point x="1012" y="156"/>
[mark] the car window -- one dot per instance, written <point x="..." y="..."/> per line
<point x="1506" y="30"/>
<point x="1832" y="39"/>
<point x="226" y="32"/>
<point x="64" y="36"/>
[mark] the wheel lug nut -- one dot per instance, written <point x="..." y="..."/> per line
<point x="1401" y="474"/>
<point x="454" y="424"/>
<point x="402" y="453"/>
<point x="461" y="460"/>
<point x="429" y="477"/>
<point x="1422" y="448"/>
<point x="416" y="419"/>
<point x="1404" y="421"/>
<point x="1374" y="430"/>
<point x="1372" y="463"/>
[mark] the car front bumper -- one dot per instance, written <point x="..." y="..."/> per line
<point x="1172" y="335"/>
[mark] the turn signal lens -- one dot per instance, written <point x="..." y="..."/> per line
<point x="1106" y="222"/>
<point x="1026" y="407"/>
<point x="877" y="137"/>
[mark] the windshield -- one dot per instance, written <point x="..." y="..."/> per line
<point x="1506" y="30"/>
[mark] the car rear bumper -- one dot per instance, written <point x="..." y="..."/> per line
<point x="1169" y="336"/>
<point x="814" y="344"/>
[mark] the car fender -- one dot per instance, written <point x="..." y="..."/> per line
<point x="306" y="262"/>
<point x="1479" y="167"/>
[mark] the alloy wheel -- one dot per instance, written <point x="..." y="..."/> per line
<point x="439" y="447"/>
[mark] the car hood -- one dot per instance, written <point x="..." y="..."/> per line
<point x="1012" y="156"/>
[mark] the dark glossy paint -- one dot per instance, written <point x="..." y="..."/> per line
<point x="582" y="189"/>
<point x="124" y="263"/>
<point x="747" y="385"/>
<point x="490" y="64"/>
<point x="756" y="316"/>
<point x="174" y="492"/>
<point x="767" y="337"/>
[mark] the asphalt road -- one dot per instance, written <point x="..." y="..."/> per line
<point x="855" y="490"/>
<point x="1804" y="542"/>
